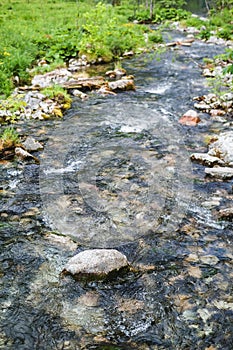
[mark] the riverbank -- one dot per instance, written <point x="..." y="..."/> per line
<point x="50" y="94"/>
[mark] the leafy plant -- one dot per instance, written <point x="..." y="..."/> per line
<point x="226" y="32"/>
<point x="205" y="34"/>
<point x="228" y="69"/>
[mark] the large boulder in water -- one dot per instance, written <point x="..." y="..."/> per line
<point x="96" y="264"/>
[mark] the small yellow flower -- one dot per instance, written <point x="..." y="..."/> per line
<point x="5" y="53"/>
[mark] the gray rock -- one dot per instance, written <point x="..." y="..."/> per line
<point x="58" y="76"/>
<point x="214" y="40"/>
<point x="122" y="84"/>
<point x="79" y="94"/>
<point x="96" y="263"/>
<point x="220" y="172"/>
<point x="31" y="145"/>
<point x="75" y="64"/>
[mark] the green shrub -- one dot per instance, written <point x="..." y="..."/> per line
<point x="59" y="30"/>
<point x="205" y="34"/>
<point x="155" y="37"/>
<point x="195" y="22"/>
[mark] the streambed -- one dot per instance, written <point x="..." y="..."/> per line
<point x="116" y="173"/>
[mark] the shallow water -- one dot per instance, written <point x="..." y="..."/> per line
<point x="116" y="173"/>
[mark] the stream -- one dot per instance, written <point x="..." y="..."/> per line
<point x="115" y="173"/>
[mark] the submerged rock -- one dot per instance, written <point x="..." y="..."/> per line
<point x="96" y="264"/>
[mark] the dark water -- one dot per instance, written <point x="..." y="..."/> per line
<point x="116" y="173"/>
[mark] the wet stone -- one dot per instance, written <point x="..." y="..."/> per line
<point x="96" y="264"/>
<point x="220" y="172"/>
<point x="31" y="145"/>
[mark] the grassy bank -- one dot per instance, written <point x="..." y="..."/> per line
<point x="59" y="30"/>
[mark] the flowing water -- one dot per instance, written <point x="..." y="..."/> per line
<point x="116" y="173"/>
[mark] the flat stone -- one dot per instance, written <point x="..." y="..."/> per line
<point x="58" y="76"/>
<point x="122" y="84"/>
<point x="206" y="159"/>
<point x="211" y="203"/>
<point x="202" y="106"/>
<point x="220" y="172"/>
<point x="209" y="259"/>
<point x="96" y="264"/>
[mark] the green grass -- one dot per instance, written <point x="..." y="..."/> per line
<point x="57" y="31"/>
<point x="9" y="138"/>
